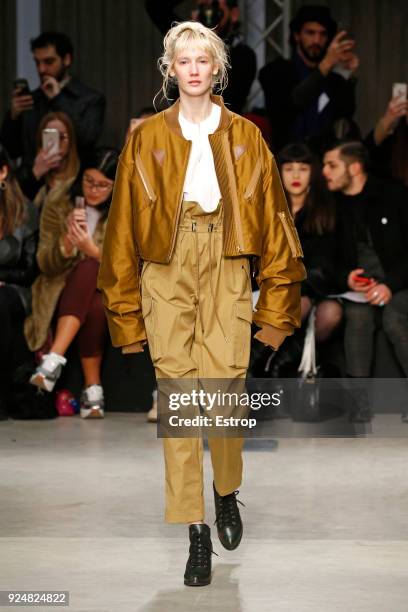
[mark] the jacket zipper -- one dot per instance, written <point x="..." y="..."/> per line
<point x="249" y="192"/>
<point x="173" y="240"/>
<point x="233" y="191"/>
<point x="294" y="247"/>
<point x="146" y="183"/>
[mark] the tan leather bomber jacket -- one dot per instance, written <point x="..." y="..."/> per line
<point x="145" y="209"/>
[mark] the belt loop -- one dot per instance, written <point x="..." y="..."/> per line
<point x="210" y="227"/>
<point x="193" y="226"/>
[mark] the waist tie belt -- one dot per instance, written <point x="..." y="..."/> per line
<point x="209" y="228"/>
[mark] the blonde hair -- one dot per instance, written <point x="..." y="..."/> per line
<point x="179" y="37"/>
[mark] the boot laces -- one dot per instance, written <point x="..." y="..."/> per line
<point x="199" y="552"/>
<point x="228" y="513"/>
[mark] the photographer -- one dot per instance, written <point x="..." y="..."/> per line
<point x="306" y="94"/>
<point x="223" y="15"/>
<point x="59" y="91"/>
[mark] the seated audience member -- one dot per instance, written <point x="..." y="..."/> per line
<point x="59" y="91"/>
<point x="373" y="255"/>
<point x="223" y="16"/>
<point x="18" y="240"/>
<point x="306" y="94"/>
<point x="313" y="211"/>
<point x="54" y="172"/>
<point x="388" y="142"/>
<point x="69" y="252"/>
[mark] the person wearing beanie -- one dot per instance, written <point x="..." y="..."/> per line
<point x="306" y="94"/>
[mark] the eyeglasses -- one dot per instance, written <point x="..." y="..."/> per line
<point x="89" y="182"/>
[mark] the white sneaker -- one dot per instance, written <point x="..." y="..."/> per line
<point x="47" y="374"/>
<point x="92" y="402"/>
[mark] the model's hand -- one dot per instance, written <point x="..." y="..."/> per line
<point x="44" y="162"/>
<point x="51" y="87"/>
<point x="379" y="295"/>
<point x="19" y="104"/>
<point x="339" y="51"/>
<point x="356" y="285"/>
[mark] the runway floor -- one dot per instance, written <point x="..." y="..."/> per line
<point x="81" y="510"/>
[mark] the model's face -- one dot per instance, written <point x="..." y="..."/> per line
<point x="49" y="63"/>
<point x="335" y="171"/>
<point x="194" y="69"/>
<point x="312" y="40"/>
<point x="56" y="124"/>
<point x="96" y="187"/>
<point x="296" y="177"/>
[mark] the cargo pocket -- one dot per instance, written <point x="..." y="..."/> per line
<point x="240" y="340"/>
<point x="149" y="312"/>
<point x="291" y="234"/>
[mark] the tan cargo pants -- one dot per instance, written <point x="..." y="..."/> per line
<point x="197" y="311"/>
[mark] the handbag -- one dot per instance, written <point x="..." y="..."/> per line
<point x="306" y="405"/>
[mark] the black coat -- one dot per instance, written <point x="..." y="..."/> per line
<point x="387" y="219"/>
<point x="320" y="252"/>
<point x="243" y="59"/>
<point x="287" y="96"/>
<point x="18" y="266"/>
<point x="84" y="106"/>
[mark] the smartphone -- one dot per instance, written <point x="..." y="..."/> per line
<point x="79" y="202"/>
<point x="50" y="140"/>
<point x="22" y="85"/>
<point x="400" y="90"/>
<point x="365" y="279"/>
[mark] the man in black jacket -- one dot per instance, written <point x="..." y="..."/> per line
<point x="306" y="94"/>
<point x="223" y="15"/>
<point x="373" y="258"/>
<point x="58" y="91"/>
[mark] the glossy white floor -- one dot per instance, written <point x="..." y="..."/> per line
<point x="326" y="522"/>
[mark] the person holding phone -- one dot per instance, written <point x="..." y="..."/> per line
<point x="64" y="295"/>
<point x="197" y="194"/>
<point x="56" y="164"/>
<point x="372" y="258"/>
<point x="387" y="143"/>
<point x="59" y="91"/>
<point x="306" y="94"/>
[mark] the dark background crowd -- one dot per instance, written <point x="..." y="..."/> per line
<point x="337" y="128"/>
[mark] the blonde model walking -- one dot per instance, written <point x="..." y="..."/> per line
<point x="197" y="194"/>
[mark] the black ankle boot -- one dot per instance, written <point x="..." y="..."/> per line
<point x="229" y="524"/>
<point x="198" y="568"/>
